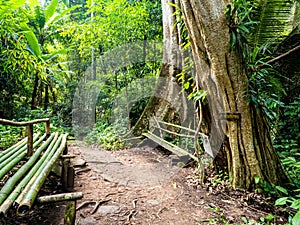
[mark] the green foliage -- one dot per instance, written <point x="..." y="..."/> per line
<point x="9" y="136"/>
<point x="30" y="48"/>
<point x="186" y="76"/>
<point x="56" y="122"/>
<point x="221" y="178"/>
<point x="50" y="10"/>
<point x="292" y="202"/>
<point x="17" y="64"/>
<point x="296" y="219"/>
<point x="239" y="16"/>
<point x="265" y="92"/>
<point x="262" y="220"/>
<point x="114" y="22"/>
<point x="287" y="140"/>
<point x="198" y="95"/>
<point x="222" y="219"/>
<point x="106" y="25"/>
<point x="106" y="136"/>
<point x="285" y="197"/>
<point x="32" y="40"/>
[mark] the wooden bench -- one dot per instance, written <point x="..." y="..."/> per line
<point x="169" y="146"/>
<point x="27" y="165"/>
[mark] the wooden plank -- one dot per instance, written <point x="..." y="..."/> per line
<point x="178" y="126"/>
<point x="169" y="146"/>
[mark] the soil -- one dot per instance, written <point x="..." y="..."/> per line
<point x="145" y="186"/>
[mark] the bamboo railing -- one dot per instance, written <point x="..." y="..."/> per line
<point x="23" y="184"/>
<point x="29" y="130"/>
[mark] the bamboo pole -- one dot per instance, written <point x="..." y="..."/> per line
<point x="60" y="197"/>
<point x="15" y="158"/>
<point x="52" y="148"/>
<point x="17" y="148"/>
<point x="23" y="183"/>
<point x="17" y="145"/>
<point x="11" y="182"/>
<point x="29" y="198"/>
<point x="7" y="158"/>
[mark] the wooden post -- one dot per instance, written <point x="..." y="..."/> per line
<point x="29" y="128"/>
<point x="64" y="173"/>
<point x="65" y="152"/>
<point x="47" y="128"/>
<point x="70" y="213"/>
<point x="70" y="178"/>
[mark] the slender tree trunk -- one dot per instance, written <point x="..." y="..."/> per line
<point x="52" y="92"/>
<point x="161" y="104"/>
<point x="46" y="100"/>
<point x="34" y="92"/>
<point x="247" y="149"/>
<point x="39" y="101"/>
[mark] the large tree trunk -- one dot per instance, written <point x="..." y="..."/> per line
<point x="247" y="147"/>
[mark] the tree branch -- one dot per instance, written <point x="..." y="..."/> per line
<point x="284" y="54"/>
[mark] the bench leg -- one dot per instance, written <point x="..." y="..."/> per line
<point x="70" y="213"/>
<point x="67" y="175"/>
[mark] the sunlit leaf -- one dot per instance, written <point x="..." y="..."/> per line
<point x="50" y="10"/>
<point x="15" y="4"/>
<point x="33" y="3"/>
<point x="296" y="204"/>
<point x="33" y="43"/>
<point x="281" y="201"/>
<point x="296" y="218"/>
<point x="54" y="54"/>
<point x="283" y="190"/>
<point x="256" y="179"/>
<point x="58" y="16"/>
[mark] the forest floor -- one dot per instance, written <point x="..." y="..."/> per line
<point x="144" y="186"/>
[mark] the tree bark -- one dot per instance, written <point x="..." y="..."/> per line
<point x="46" y="100"/>
<point x="167" y="102"/>
<point x="246" y="142"/>
<point x="34" y="92"/>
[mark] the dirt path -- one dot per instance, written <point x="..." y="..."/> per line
<point x="135" y="186"/>
<point x="144" y="186"/>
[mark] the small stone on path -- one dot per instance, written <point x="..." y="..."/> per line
<point x="153" y="202"/>
<point x="106" y="209"/>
